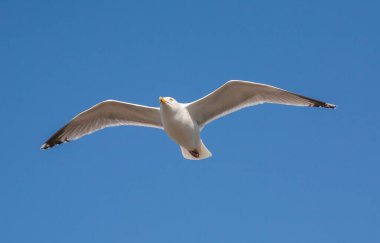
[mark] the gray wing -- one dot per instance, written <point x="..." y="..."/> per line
<point x="235" y="95"/>
<point x="105" y="114"/>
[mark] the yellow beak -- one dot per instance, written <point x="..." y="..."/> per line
<point x="162" y="100"/>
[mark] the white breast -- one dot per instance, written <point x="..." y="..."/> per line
<point x="180" y="127"/>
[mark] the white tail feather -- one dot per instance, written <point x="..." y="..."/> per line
<point x="203" y="153"/>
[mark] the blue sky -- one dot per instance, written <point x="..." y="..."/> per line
<point x="278" y="173"/>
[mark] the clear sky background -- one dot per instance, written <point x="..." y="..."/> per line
<point x="278" y="173"/>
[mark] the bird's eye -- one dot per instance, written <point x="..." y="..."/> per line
<point x="171" y="99"/>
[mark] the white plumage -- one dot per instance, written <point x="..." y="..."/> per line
<point x="182" y="122"/>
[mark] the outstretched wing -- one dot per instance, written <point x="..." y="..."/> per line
<point x="235" y="95"/>
<point x="105" y="114"/>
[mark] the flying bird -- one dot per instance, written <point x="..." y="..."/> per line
<point x="182" y="122"/>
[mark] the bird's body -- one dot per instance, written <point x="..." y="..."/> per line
<point x="180" y="126"/>
<point x="181" y="121"/>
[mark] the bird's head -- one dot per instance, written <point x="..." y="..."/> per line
<point x="168" y="102"/>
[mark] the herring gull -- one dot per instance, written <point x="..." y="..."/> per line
<point x="182" y="122"/>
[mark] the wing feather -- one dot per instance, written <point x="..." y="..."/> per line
<point x="105" y="114"/>
<point x="235" y="95"/>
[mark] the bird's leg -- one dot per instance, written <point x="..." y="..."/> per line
<point x="194" y="153"/>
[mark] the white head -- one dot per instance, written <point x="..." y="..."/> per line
<point x="169" y="102"/>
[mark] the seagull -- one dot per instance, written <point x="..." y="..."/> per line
<point x="182" y="122"/>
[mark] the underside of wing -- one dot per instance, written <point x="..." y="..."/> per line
<point x="235" y="95"/>
<point x="105" y="114"/>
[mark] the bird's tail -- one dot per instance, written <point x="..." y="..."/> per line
<point x="197" y="154"/>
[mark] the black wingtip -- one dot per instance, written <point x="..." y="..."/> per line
<point x="56" y="139"/>
<point x="324" y="105"/>
<point x="44" y="146"/>
<point x="47" y="145"/>
<point x="52" y="142"/>
<point x="329" y="106"/>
